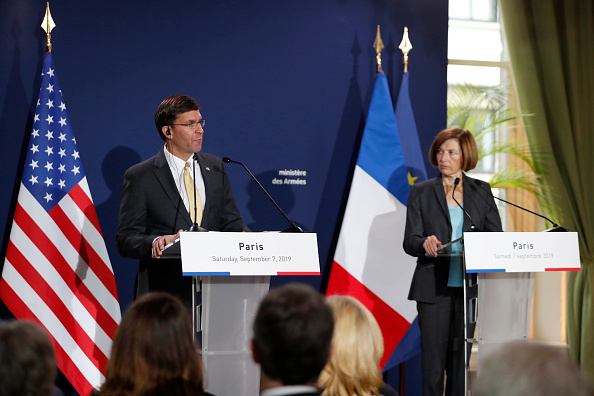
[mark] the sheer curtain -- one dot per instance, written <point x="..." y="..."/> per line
<point x="551" y="46"/>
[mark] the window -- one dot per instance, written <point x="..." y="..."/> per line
<point x="476" y="52"/>
<point x="474" y="10"/>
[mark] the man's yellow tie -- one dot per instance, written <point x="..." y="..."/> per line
<point x="191" y="189"/>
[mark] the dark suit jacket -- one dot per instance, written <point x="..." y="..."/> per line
<point x="151" y="206"/>
<point x="428" y="214"/>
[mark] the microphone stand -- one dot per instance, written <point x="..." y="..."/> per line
<point x="468" y="282"/>
<point x="472" y="226"/>
<point x="554" y="228"/>
<point x="292" y="226"/>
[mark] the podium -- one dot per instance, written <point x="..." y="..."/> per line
<point x="229" y="305"/>
<point x="231" y="276"/>
<point x="505" y="263"/>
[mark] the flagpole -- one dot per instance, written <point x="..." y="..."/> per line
<point x="405" y="46"/>
<point x="379" y="46"/>
<point x="379" y="187"/>
<point x="57" y="272"/>
<point x="48" y="25"/>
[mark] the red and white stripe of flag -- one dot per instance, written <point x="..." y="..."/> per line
<point x="370" y="263"/>
<point x="57" y="273"/>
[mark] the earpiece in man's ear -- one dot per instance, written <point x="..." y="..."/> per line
<point x="168" y="132"/>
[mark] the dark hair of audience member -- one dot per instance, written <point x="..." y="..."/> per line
<point x="27" y="361"/>
<point x="357" y="347"/>
<point x="292" y="334"/>
<point x="153" y="351"/>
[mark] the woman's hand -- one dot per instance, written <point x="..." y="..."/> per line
<point x="431" y="244"/>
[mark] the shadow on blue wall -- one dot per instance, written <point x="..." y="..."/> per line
<point x="341" y="168"/>
<point x="114" y="165"/>
<point x="15" y="122"/>
<point x="265" y="216"/>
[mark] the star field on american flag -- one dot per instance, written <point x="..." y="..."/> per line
<point x="53" y="164"/>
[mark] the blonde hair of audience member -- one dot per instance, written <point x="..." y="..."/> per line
<point x="523" y="368"/>
<point x="357" y="347"/>
<point x="27" y="360"/>
<point x="153" y="351"/>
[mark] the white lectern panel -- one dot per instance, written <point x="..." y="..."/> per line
<point x="227" y="333"/>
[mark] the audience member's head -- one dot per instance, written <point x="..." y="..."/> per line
<point x="27" y="362"/>
<point x="292" y="335"/>
<point x="153" y="351"/>
<point x="523" y="368"/>
<point x="357" y="347"/>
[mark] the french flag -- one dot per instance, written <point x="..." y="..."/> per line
<point x="370" y="263"/>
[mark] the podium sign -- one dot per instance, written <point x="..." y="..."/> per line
<point x="249" y="253"/>
<point x="521" y="251"/>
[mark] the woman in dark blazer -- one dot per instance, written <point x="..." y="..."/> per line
<point x="434" y="218"/>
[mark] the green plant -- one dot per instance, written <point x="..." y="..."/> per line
<point x="484" y="111"/>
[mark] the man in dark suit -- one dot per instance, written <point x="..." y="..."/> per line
<point x="292" y="336"/>
<point x="158" y="200"/>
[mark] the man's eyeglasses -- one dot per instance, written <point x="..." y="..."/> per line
<point x="193" y="124"/>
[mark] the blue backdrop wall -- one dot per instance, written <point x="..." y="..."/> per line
<point x="283" y="85"/>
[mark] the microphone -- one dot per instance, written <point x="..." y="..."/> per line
<point x="195" y="227"/>
<point x="292" y="226"/>
<point x="472" y="226"/>
<point x="555" y="228"/>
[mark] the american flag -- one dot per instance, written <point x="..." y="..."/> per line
<point x="57" y="271"/>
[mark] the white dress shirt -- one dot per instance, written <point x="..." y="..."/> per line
<point x="176" y="166"/>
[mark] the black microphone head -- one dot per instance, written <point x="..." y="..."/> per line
<point x="457" y="181"/>
<point x="226" y="160"/>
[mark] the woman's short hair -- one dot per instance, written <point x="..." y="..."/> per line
<point x="467" y="146"/>
<point x="27" y="361"/>
<point x="153" y="349"/>
<point x="357" y="347"/>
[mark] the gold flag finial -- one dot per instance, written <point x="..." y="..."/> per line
<point x="379" y="46"/>
<point x="47" y="25"/>
<point x="405" y="46"/>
